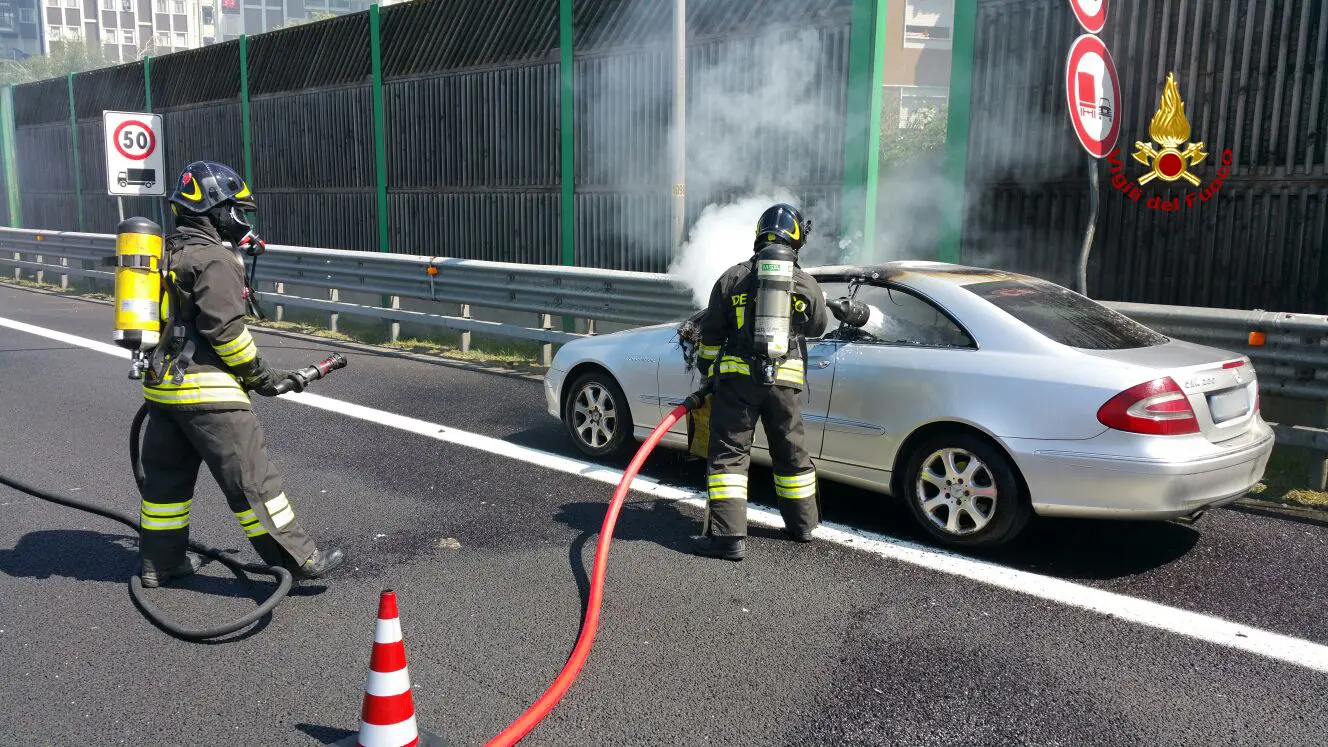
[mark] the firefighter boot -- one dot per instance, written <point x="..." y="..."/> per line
<point x="321" y="563"/>
<point x="804" y="535"/>
<point x="153" y="578"/>
<point x="727" y="548"/>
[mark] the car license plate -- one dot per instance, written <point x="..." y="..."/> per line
<point x="1229" y="404"/>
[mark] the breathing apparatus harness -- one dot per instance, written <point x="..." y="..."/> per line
<point x="773" y="276"/>
<point x="250" y="245"/>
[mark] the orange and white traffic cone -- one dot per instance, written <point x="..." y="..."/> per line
<point x="387" y="718"/>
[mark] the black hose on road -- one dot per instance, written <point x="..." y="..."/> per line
<point x="283" y="576"/>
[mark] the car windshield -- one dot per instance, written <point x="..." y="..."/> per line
<point x="1065" y="316"/>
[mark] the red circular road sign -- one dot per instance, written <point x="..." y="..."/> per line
<point x="134" y="140"/>
<point x="1092" y="92"/>
<point x="1092" y="14"/>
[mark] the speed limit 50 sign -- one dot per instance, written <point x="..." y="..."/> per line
<point x="134" y="162"/>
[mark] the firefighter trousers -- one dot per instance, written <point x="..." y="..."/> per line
<point x="176" y="443"/>
<point x="738" y="403"/>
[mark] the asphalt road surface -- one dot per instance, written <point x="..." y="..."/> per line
<point x="828" y="643"/>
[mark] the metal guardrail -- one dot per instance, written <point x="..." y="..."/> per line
<point x="631" y="298"/>
<point x="1290" y="351"/>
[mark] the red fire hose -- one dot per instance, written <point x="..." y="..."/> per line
<point x="536" y="713"/>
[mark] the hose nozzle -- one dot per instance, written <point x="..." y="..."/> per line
<point x="300" y="379"/>
<point x="326" y="366"/>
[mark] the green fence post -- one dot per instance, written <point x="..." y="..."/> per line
<point x="380" y="153"/>
<point x="956" y="130"/>
<point x="379" y="125"/>
<point x="9" y="134"/>
<point x="245" y="137"/>
<point x="567" y="135"/>
<point x="567" y="140"/>
<point x="73" y="139"/>
<point x="862" y="126"/>
<point x="160" y="208"/>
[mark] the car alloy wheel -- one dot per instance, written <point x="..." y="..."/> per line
<point x="957" y="491"/>
<point x="594" y="415"/>
<point x="964" y="491"/>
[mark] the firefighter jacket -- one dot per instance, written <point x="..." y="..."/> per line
<point x="215" y="361"/>
<point x="727" y="327"/>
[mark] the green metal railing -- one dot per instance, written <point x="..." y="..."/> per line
<point x="956" y="126"/>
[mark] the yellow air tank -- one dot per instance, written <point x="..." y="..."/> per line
<point x="138" y="284"/>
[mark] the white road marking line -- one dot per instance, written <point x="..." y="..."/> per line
<point x="51" y="334"/>
<point x="1151" y="614"/>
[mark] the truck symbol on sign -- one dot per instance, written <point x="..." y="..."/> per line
<point x="141" y="177"/>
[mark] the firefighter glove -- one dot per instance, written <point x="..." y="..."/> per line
<point x="853" y="313"/>
<point x="298" y="382"/>
<point x="258" y="376"/>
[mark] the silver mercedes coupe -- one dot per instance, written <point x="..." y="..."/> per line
<point x="978" y="397"/>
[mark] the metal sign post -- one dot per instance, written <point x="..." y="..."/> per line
<point x="679" y="122"/>
<point x="1092" y="93"/>
<point x="135" y="163"/>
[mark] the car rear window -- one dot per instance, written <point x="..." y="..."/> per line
<point x="1066" y="317"/>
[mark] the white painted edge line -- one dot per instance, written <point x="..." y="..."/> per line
<point x="1151" y="614"/>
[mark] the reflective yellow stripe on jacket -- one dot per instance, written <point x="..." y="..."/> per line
<point x="792" y="372"/>
<point x="733" y="364"/>
<point x="789" y="372"/>
<point x="203" y="387"/>
<point x="239" y="351"/>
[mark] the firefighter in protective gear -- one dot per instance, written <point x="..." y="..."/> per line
<point x="197" y="388"/>
<point x="729" y="357"/>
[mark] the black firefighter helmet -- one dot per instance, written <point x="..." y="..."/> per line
<point x="782" y="224"/>
<point x="214" y="192"/>
<point x="204" y="185"/>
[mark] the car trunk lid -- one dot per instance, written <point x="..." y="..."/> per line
<point x="1220" y="385"/>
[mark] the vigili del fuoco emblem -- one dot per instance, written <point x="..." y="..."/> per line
<point x="1169" y="129"/>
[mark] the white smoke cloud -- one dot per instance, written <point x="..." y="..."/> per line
<point x="721" y="237"/>
<point x="764" y="127"/>
<point x="749" y="102"/>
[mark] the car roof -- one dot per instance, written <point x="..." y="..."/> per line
<point x="901" y="270"/>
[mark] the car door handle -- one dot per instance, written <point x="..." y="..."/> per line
<point x="821" y="363"/>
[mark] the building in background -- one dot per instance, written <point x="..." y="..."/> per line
<point x="127" y="30"/>
<point x="257" y="16"/>
<point x="20" y="29"/>
<point x="917" y="58"/>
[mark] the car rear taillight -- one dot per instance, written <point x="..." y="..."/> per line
<point x="1154" y="408"/>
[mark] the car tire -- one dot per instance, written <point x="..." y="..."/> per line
<point x="597" y="415"/>
<point x="985" y="509"/>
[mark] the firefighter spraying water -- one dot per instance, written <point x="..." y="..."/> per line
<point x="755" y="363"/>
